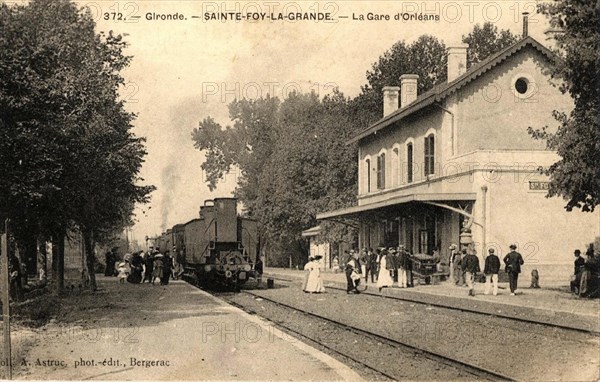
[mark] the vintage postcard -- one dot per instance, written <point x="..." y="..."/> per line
<point x="299" y="190"/>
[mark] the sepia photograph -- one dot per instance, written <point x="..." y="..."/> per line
<point x="300" y="190"/>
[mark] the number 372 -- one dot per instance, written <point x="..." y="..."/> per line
<point x="113" y="16"/>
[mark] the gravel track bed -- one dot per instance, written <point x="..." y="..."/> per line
<point x="520" y="350"/>
<point x="533" y="329"/>
<point x="398" y="363"/>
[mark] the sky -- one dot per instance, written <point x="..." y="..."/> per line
<point x="186" y="70"/>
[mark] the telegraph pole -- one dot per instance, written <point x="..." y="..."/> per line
<point x="6" y="299"/>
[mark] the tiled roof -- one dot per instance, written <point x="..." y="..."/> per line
<point x="441" y="91"/>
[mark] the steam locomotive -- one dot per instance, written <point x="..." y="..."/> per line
<point x="217" y="248"/>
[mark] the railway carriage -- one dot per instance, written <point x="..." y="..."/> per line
<point x="178" y="243"/>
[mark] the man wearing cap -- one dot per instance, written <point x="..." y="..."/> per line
<point x="258" y="269"/>
<point x="392" y="263"/>
<point x="470" y="265"/>
<point x="513" y="261"/>
<point x="491" y="269"/>
<point x="579" y="267"/>
<point x="402" y="267"/>
<point x="371" y="266"/>
<point x="459" y="277"/>
<point x="579" y="262"/>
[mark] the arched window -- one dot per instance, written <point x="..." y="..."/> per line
<point x="409" y="162"/>
<point x="395" y="167"/>
<point x="430" y="155"/>
<point x="381" y="171"/>
<point x="368" y="173"/>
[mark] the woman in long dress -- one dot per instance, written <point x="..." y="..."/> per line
<point x="320" y="286"/>
<point x="307" y="268"/>
<point x="314" y="284"/>
<point x="384" y="279"/>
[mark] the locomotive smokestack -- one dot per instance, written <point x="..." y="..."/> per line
<point x="525" y="24"/>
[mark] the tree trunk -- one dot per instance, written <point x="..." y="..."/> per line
<point x="90" y="259"/>
<point x="54" y="242"/>
<point x="58" y="262"/>
<point x="43" y="259"/>
<point x="31" y="256"/>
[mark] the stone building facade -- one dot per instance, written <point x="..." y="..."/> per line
<point x="460" y="156"/>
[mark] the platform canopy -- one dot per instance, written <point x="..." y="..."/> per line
<point x="428" y="198"/>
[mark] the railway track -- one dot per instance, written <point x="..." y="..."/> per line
<point x="311" y="327"/>
<point x="466" y="310"/>
<point x="463" y="368"/>
<point x="311" y="339"/>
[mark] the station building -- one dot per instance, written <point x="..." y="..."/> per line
<point x="459" y="159"/>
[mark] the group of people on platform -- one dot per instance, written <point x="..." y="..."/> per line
<point x="585" y="281"/>
<point x="464" y="267"/>
<point x="151" y="266"/>
<point x="387" y="266"/>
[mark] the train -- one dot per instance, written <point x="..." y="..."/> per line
<point x="218" y="248"/>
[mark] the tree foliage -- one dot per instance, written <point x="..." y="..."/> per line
<point x="65" y="137"/>
<point x="486" y="40"/>
<point x="291" y="156"/>
<point x="576" y="176"/>
<point x="425" y="57"/>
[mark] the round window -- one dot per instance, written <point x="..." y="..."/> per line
<point x="521" y="85"/>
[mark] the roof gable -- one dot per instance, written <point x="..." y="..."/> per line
<point x="441" y="91"/>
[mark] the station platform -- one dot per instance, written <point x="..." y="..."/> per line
<point x="552" y="305"/>
<point x="173" y="332"/>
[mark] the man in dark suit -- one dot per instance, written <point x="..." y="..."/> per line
<point x="579" y="262"/>
<point x="371" y="266"/>
<point x="491" y="269"/>
<point x="397" y="262"/>
<point x="579" y="268"/>
<point x="470" y="265"/>
<point x="513" y="261"/>
<point x="391" y="264"/>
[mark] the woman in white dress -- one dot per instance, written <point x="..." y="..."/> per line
<point x="307" y="268"/>
<point x="384" y="278"/>
<point x="314" y="284"/>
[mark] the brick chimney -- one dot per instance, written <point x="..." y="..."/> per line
<point x="408" y="89"/>
<point x="457" y="61"/>
<point x="390" y="99"/>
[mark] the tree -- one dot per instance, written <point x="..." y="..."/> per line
<point x="247" y="146"/>
<point x="425" y="57"/>
<point x="30" y="133"/>
<point x="291" y="156"/>
<point x="67" y="145"/>
<point x="576" y="176"/>
<point x="485" y="41"/>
